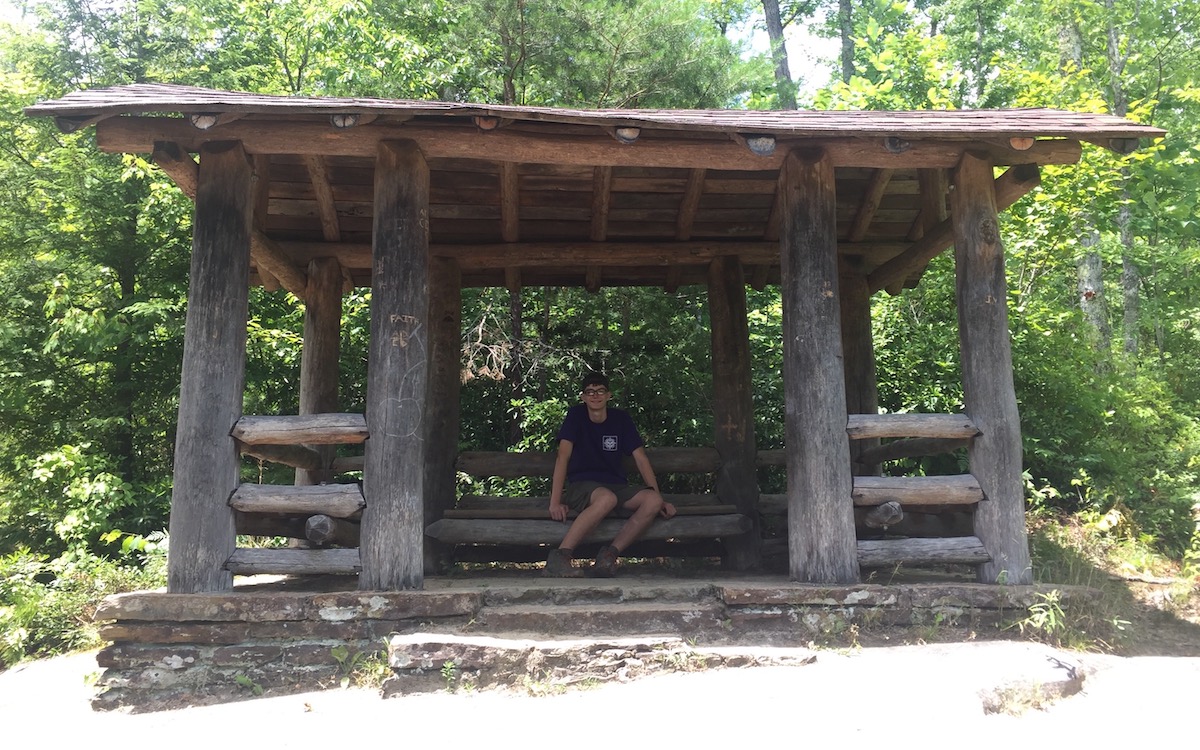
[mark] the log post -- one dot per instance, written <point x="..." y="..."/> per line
<point x="733" y="405"/>
<point x="395" y="452"/>
<point x="202" y="525"/>
<point x="445" y="343"/>
<point x="821" y="541"/>
<point x="862" y="396"/>
<point x="991" y="402"/>
<point x="319" y="357"/>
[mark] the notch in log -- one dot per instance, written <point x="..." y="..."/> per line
<point x="896" y="145"/>
<point x="626" y="135"/>
<point x="759" y="145"/>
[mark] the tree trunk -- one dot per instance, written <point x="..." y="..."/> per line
<point x="846" y="28"/>
<point x="1090" y="271"/>
<point x="784" y="86"/>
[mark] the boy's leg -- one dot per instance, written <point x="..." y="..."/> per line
<point x="600" y="504"/>
<point x="645" y="506"/>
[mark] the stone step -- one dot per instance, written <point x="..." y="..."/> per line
<point x="568" y="591"/>
<point x="602" y="620"/>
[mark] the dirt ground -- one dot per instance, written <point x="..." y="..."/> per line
<point x="895" y="693"/>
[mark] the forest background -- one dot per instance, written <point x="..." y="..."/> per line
<point x="1101" y="259"/>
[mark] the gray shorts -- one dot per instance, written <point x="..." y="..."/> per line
<point x="577" y="494"/>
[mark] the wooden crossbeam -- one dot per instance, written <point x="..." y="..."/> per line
<point x="689" y="204"/>
<point x="869" y="204"/>
<point x="510" y="205"/>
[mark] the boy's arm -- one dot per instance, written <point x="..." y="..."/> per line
<point x="642" y="461"/>
<point x="558" y="480"/>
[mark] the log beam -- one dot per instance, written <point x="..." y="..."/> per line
<point x="866" y="426"/>
<point x="398" y="368"/>
<point x="733" y="407"/>
<point x="339" y="500"/>
<point x="820" y="522"/>
<point x="305" y="429"/>
<point x="139" y="134"/>
<point x="445" y="351"/>
<point x="892" y="552"/>
<point x="988" y="391"/>
<point x="1008" y="188"/>
<point x="688" y="205"/>
<point x="202" y="525"/>
<point x="319" y="368"/>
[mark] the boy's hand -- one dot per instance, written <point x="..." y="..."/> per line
<point x="558" y="511"/>
<point x="667" y="510"/>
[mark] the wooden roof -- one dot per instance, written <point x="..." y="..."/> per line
<point x="537" y="195"/>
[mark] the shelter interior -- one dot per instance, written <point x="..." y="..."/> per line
<point x="418" y="200"/>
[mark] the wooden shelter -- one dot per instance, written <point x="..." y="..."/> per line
<point x="420" y="199"/>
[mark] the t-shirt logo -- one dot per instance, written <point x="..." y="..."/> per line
<point x="609" y="442"/>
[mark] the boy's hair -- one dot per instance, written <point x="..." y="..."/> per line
<point x="594" y="378"/>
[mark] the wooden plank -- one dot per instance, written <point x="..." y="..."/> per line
<point x="319" y="368"/>
<point x="398" y="369"/>
<point x="338" y="500"/>
<point x="736" y="479"/>
<point x="202" y="525"/>
<point x="863" y="426"/>
<point x="259" y="561"/>
<point x="309" y="429"/>
<point x="959" y="489"/>
<point x="531" y="464"/>
<point x="995" y="454"/>
<point x="493" y="531"/>
<point x="820" y="524"/>
<point x="892" y="552"/>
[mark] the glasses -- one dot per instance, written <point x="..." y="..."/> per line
<point x="595" y="391"/>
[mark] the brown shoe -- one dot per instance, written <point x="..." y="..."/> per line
<point x="558" y="565"/>
<point x="606" y="563"/>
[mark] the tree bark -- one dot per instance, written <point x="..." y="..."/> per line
<point x="202" y="526"/>
<point x="991" y="401"/>
<point x="785" y="88"/>
<point x="394" y="463"/>
<point x="846" y="31"/>
<point x="821" y="536"/>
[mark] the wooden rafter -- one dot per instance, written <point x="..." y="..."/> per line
<point x="689" y="204"/>
<point x="510" y="202"/>
<point x="1009" y="187"/>
<point x="318" y="174"/>
<point x="601" y="201"/>
<point x="869" y="204"/>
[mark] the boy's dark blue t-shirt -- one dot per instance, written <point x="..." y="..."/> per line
<point x="597" y="447"/>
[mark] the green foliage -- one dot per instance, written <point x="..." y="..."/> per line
<point x="47" y="606"/>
